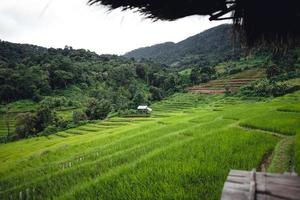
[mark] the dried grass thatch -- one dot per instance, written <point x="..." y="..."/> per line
<point x="166" y="9"/>
<point x="267" y="21"/>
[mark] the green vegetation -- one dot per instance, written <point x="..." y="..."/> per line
<point x="9" y="112"/>
<point x="184" y="150"/>
<point x="281" y="122"/>
<point x="7" y="121"/>
<point x="256" y="62"/>
<point x="202" y="75"/>
<point x="260" y="74"/>
<point x="98" y="110"/>
<point x="20" y="106"/>
<point x="34" y="72"/>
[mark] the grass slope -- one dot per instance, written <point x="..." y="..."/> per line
<point x="183" y="151"/>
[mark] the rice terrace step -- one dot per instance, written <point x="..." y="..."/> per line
<point x="219" y="86"/>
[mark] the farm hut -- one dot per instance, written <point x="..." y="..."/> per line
<point x="144" y="109"/>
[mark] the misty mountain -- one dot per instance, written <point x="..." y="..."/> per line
<point x="211" y="46"/>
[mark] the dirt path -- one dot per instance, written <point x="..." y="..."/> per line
<point x="283" y="156"/>
<point x="266" y="162"/>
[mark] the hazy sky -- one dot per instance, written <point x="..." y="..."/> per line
<point x="56" y="23"/>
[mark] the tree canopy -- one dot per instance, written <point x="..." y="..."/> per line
<point x="31" y="72"/>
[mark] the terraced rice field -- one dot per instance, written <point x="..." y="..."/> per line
<point x="15" y="108"/>
<point x="183" y="151"/>
<point x="65" y="114"/>
<point x="3" y="123"/>
<point x="233" y="82"/>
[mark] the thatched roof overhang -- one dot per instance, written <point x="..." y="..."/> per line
<point x="271" y="21"/>
<point x="167" y="9"/>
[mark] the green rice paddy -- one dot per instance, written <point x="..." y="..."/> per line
<point x="4" y="124"/>
<point x="183" y="151"/>
<point x="15" y="108"/>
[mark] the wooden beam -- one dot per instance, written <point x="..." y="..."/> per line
<point x="223" y="18"/>
<point x="221" y="13"/>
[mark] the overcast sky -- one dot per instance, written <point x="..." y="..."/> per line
<point x="56" y="23"/>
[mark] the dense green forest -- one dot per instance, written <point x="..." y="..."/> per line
<point x="31" y="72"/>
<point x="209" y="47"/>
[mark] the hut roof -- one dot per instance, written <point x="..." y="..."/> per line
<point x="144" y="107"/>
<point x="268" y="20"/>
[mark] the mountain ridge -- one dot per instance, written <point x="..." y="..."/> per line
<point x="210" y="46"/>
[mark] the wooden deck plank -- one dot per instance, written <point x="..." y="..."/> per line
<point x="242" y="187"/>
<point x="266" y="197"/>
<point x="231" y="194"/>
<point x="252" y="185"/>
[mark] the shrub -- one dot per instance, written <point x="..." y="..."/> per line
<point x="202" y="74"/>
<point x="36" y="97"/>
<point x="156" y="93"/>
<point x="138" y="99"/>
<point x="70" y="103"/>
<point x="273" y="71"/>
<point x="49" y="130"/>
<point x="59" y="122"/>
<point x="227" y="90"/>
<point x="264" y="88"/>
<point x="71" y="125"/>
<point x="98" y="109"/>
<point x="232" y="70"/>
<point x="26" y="125"/>
<point x="78" y="116"/>
<point x="54" y="102"/>
<point x="44" y="117"/>
<point x="128" y="112"/>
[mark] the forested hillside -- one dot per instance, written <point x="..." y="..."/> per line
<point x="28" y="71"/>
<point x="209" y="47"/>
